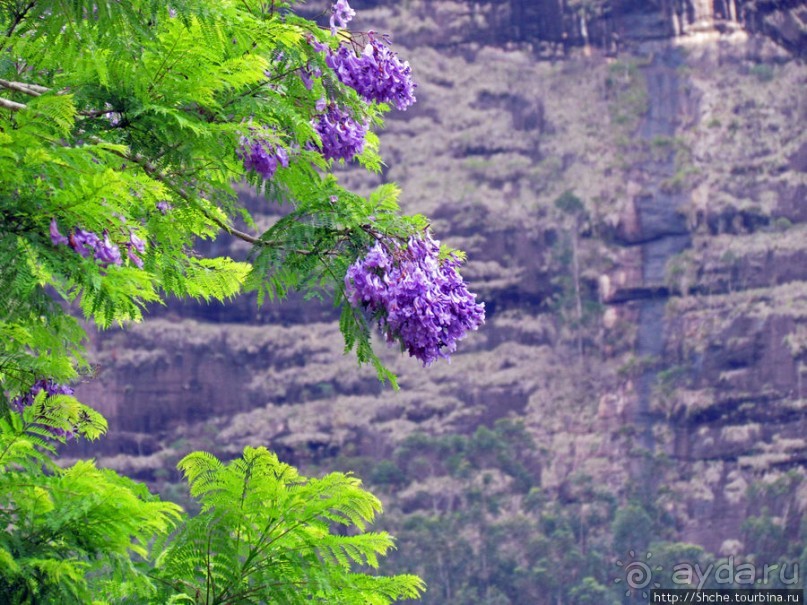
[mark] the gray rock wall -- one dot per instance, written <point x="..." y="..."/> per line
<point x="687" y="153"/>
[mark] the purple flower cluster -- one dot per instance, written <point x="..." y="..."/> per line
<point x="341" y="15"/>
<point x="419" y="299"/>
<point x="262" y="157"/>
<point x="342" y="137"/>
<point x="51" y="388"/>
<point x="376" y="74"/>
<point x="87" y="243"/>
<point x="103" y="250"/>
<point x="133" y="246"/>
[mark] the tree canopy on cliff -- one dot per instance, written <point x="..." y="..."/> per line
<point x="125" y="129"/>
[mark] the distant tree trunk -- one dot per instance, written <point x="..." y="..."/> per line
<point x="444" y="576"/>
<point x="584" y="33"/>
<point x="564" y="37"/>
<point x="733" y="10"/>
<point x="577" y="295"/>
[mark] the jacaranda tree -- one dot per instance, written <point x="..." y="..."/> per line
<point x="125" y="128"/>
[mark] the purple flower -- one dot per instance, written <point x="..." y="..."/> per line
<point x="84" y="242"/>
<point x="317" y="45"/>
<point x="377" y="74"/>
<point x="56" y="237"/>
<point x="136" y="260"/>
<point x="307" y="75"/>
<point x="113" y="117"/>
<point x="341" y="15"/>
<point x="135" y="244"/>
<point x="282" y="157"/>
<point x="418" y="299"/>
<point x="87" y="243"/>
<point x="107" y="253"/>
<point x="342" y="137"/>
<point x="261" y="156"/>
<point x="163" y="206"/>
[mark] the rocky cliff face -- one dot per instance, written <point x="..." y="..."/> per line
<point x="659" y="323"/>
<point x="553" y="27"/>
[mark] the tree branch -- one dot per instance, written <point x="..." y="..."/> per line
<point x="35" y="90"/>
<point x="155" y="172"/>
<point x="30" y="89"/>
<point x="18" y="18"/>
<point x="94" y="113"/>
<point x="12" y="105"/>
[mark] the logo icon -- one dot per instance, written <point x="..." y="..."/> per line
<point x="638" y="574"/>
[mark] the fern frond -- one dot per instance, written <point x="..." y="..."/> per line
<point x="266" y="532"/>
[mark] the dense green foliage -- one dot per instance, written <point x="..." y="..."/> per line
<point x="473" y="520"/>
<point x="264" y="534"/>
<point x="110" y="116"/>
<point x="125" y="128"/>
<point x="70" y="533"/>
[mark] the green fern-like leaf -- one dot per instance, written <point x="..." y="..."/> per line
<point x="265" y="533"/>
